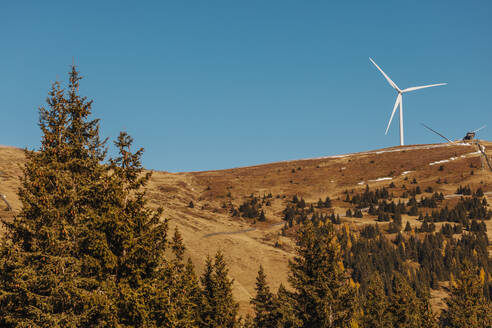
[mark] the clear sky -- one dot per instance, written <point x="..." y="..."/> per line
<point x="217" y="84"/>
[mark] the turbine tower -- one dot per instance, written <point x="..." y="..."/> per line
<point x="399" y="99"/>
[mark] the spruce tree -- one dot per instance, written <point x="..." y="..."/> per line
<point x="427" y="316"/>
<point x="133" y="234"/>
<point x="85" y="250"/>
<point x="376" y="304"/>
<point x="217" y="308"/>
<point x="404" y="305"/>
<point x="323" y="294"/>
<point x="176" y="295"/>
<point x="466" y="305"/>
<point x="263" y="303"/>
<point x="47" y="278"/>
<point x="285" y="312"/>
<point x="247" y="322"/>
<point x="207" y="315"/>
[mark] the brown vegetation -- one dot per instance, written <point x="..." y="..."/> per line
<point x="246" y="243"/>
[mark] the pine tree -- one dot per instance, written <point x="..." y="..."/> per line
<point x="208" y="295"/>
<point x="85" y="250"/>
<point x="427" y="317"/>
<point x="263" y="303"/>
<point x="262" y="217"/>
<point x="285" y="312"/>
<point x="404" y="305"/>
<point x="217" y="308"/>
<point x="466" y="305"/>
<point x="176" y="295"/>
<point x="247" y="322"/>
<point x="323" y="294"/>
<point x="47" y="278"/>
<point x="133" y="234"/>
<point x="376" y="304"/>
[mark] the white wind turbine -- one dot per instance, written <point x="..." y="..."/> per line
<point x="399" y="99"/>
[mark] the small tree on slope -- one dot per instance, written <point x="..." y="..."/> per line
<point x="217" y="309"/>
<point x="263" y="303"/>
<point x="376" y="304"/>
<point x="466" y="305"/>
<point x="323" y="293"/>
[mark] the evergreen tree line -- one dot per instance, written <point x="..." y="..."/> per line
<point x="439" y="257"/>
<point x="252" y="208"/>
<point x="323" y="294"/>
<point x="466" y="210"/>
<point x="297" y="215"/>
<point x="466" y="190"/>
<point x="368" y="197"/>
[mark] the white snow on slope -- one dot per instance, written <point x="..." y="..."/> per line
<point x="381" y="179"/>
<point x="454" y="158"/>
<point x="443" y="161"/>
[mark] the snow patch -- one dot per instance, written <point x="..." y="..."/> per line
<point x="455" y="158"/>
<point x="443" y="161"/>
<point x="381" y="179"/>
<point x="406" y="172"/>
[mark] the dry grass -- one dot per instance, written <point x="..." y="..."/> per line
<point x="208" y="227"/>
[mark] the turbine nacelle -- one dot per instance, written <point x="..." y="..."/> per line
<point x="399" y="98"/>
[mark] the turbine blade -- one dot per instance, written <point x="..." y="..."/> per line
<point x="436" y="132"/>
<point x="398" y="100"/>
<point x="479" y="129"/>
<point x="393" y="84"/>
<point x="422" y="87"/>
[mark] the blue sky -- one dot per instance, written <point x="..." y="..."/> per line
<point x="217" y="84"/>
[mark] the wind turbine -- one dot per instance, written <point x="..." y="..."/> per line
<point x="469" y="135"/>
<point x="439" y="134"/>
<point x="399" y="99"/>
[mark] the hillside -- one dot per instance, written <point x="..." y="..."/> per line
<point x="247" y="243"/>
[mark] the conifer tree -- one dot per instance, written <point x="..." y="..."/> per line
<point x="285" y="312"/>
<point x="262" y="217"/>
<point x="133" y="234"/>
<point x="177" y="294"/>
<point x="263" y="303"/>
<point x="247" y="322"/>
<point x="323" y="294"/>
<point x="404" y="304"/>
<point x="217" y="308"/>
<point x="208" y="294"/>
<point x="47" y="278"/>
<point x="427" y="317"/>
<point x="376" y="304"/>
<point x="466" y="306"/>
<point x="85" y="250"/>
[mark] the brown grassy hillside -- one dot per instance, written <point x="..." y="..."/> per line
<point x="209" y="226"/>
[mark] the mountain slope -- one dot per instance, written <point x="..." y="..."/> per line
<point x="209" y="225"/>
